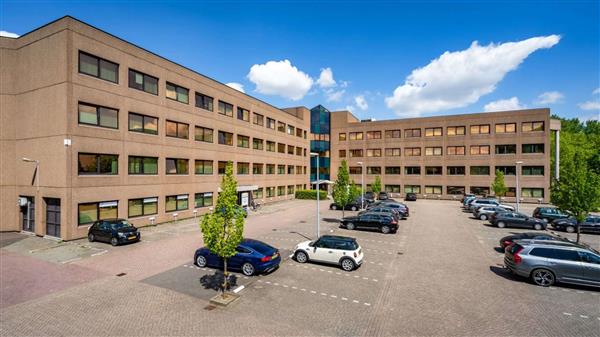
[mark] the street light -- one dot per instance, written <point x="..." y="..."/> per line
<point x="517" y="188"/>
<point x="37" y="171"/>
<point x="362" y="184"/>
<point x="315" y="154"/>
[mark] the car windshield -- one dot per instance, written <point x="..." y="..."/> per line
<point x="120" y="224"/>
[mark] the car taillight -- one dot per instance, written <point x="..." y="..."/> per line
<point x="516" y="256"/>
<point x="265" y="259"/>
<point x="507" y="243"/>
<point x="393" y="222"/>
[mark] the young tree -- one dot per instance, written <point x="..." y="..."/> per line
<point x="354" y="191"/>
<point x="376" y="186"/>
<point x="577" y="193"/>
<point x="498" y="186"/>
<point x="341" y="187"/>
<point x="223" y="228"/>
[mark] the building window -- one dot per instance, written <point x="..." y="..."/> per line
<point x="433" y="151"/>
<point x="506" y="128"/>
<point x="299" y="132"/>
<point x="433" y="170"/>
<point x="290" y="169"/>
<point x="527" y="192"/>
<point x="290" y="149"/>
<point x="373" y="152"/>
<point x="291" y="130"/>
<point x="393" y="133"/>
<point x="281" y="126"/>
<point x="270" y="146"/>
<point x="176" y="203"/>
<point x="393" y="170"/>
<point x="258" y="119"/>
<point x="455" y="170"/>
<point x="532" y="148"/>
<point x="92" y="163"/>
<point x="480" y="129"/>
<point x="298" y="151"/>
<point x="203" y="134"/>
<point x="479" y="171"/>
<point x="203" y="199"/>
<point x="533" y="170"/>
<point x="280" y="169"/>
<point x="506" y="149"/>
<point x="356" y="135"/>
<point x="342" y="153"/>
<point x="143" y="123"/>
<point x="412" y="170"/>
<point x="270" y="192"/>
<point x="143" y="82"/>
<point x="433" y="189"/>
<point x="243" y="141"/>
<point x="455" y="190"/>
<point x="455" y="150"/>
<point x="225" y="108"/>
<point x="532" y="126"/>
<point x="257" y="168"/>
<point x="225" y="138"/>
<point x="243" y="114"/>
<point x="98" y="67"/>
<point x="280" y="190"/>
<point x="243" y="168"/>
<point x="257" y="144"/>
<point x="270" y="168"/>
<point x="280" y="148"/>
<point x="507" y="170"/>
<point x="299" y="170"/>
<point x="480" y="149"/>
<point x="455" y="131"/>
<point x="412" y="133"/>
<point x="142" y="206"/>
<point x="290" y="189"/>
<point x="203" y="167"/>
<point x="355" y="169"/>
<point x="412" y="151"/>
<point x="392" y="152"/>
<point x="204" y="102"/>
<point x="480" y="190"/>
<point x="94" y="211"/>
<point x="433" y="132"/>
<point x="143" y="165"/>
<point x="177" y="130"/>
<point x="392" y="188"/>
<point x="373" y="134"/>
<point x="96" y="115"/>
<point x="356" y="153"/>
<point x="412" y="189"/>
<point x="270" y="123"/>
<point x="342" y="136"/>
<point x="257" y="193"/>
<point x="221" y="167"/>
<point x="177" y="93"/>
<point x="177" y="166"/>
<point x="373" y="169"/>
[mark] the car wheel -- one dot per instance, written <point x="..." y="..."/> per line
<point x="347" y="264"/>
<point x="114" y="241"/>
<point x="385" y="229"/>
<point x="334" y="207"/>
<point x="301" y="257"/>
<point x="543" y="277"/>
<point x="91" y="238"/>
<point x="538" y="227"/>
<point x="201" y="261"/>
<point x="248" y="269"/>
<point x="501" y="224"/>
<point x="483" y="217"/>
<point x="570" y="229"/>
<point x="354" y="209"/>
<point x="350" y="226"/>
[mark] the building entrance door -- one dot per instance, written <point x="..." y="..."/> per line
<point x="28" y="215"/>
<point x="53" y="217"/>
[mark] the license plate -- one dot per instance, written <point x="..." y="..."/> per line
<point x="131" y="238"/>
<point x="274" y="256"/>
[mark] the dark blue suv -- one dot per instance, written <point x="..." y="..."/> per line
<point x="253" y="257"/>
<point x="114" y="231"/>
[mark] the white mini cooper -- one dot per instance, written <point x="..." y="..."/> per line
<point x="340" y="250"/>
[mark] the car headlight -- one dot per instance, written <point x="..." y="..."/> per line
<point x="121" y="235"/>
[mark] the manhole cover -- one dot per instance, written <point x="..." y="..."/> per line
<point x="121" y="274"/>
<point x="209" y="307"/>
<point x="274" y="229"/>
<point x="400" y="253"/>
<point x="302" y="221"/>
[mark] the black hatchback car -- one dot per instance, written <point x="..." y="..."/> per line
<point x="114" y="231"/>
<point x="410" y="197"/>
<point x="381" y="222"/>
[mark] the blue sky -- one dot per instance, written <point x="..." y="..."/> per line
<point x="384" y="58"/>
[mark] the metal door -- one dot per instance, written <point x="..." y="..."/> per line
<point x="28" y="215"/>
<point x="52" y="217"/>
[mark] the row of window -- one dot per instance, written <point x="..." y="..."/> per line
<point x="479" y="129"/>
<point x="526" y="192"/>
<point x="108" y="164"/>
<point x="439" y="151"/>
<point x="450" y="170"/>
<point x="106" y="70"/>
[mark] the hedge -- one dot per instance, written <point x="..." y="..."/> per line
<point x="310" y="194"/>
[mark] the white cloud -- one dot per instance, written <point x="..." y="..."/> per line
<point x="504" y="105"/>
<point x="349" y="108"/>
<point x="361" y="102"/>
<point x="326" y="78"/>
<point x="236" y="86"/>
<point x="4" y="33"/>
<point x="597" y="91"/>
<point x="590" y="105"/>
<point x="334" y="96"/>
<point x="457" y="79"/>
<point x="550" y="97"/>
<point x="280" y="78"/>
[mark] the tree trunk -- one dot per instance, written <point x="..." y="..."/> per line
<point x="225" y="277"/>
<point x="578" y="230"/>
<point x="343" y="211"/>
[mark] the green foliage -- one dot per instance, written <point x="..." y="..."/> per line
<point x="376" y="185"/>
<point x="355" y="191"/>
<point x="578" y="136"/>
<point x="498" y="186"/>
<point x="223" y="228"/>
<point x="310" y="194"/>
<point x="341" y="187"/>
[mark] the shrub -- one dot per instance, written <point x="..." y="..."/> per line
<point x="310" y="194"/>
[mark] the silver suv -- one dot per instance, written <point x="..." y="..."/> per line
<point x="547" y="262"/>
<point x="488" y="202"/>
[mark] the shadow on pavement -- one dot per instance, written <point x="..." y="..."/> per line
<point x="215" y="281"/>
<point x="499" y="250"/>
<point x="331" y="220"/>
<point x="503" y="272"/>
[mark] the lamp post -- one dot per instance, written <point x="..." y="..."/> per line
<point x="517" y="188"/>
<point x="318" y="183"/>
<point x="37" y="171"/>
<point x="362" y="184"/>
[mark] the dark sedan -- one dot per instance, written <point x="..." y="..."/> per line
<point x="383" y="210"/>
<point x="252" y="257"/>
<point x="352" y="206"/>
<point x="410" y="197"/>
<point x="590" y="225"/>
<point x="114" y="231"/>
<point x="402" y="208"/>
<point x="384" y="223"/>
<point x="519" y="220"/>
<point x="508" y="240"/>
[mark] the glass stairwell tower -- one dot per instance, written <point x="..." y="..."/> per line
<point x="320" y="126"/>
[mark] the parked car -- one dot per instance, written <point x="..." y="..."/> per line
<point x="519" y="220"/>
<point x="467" y="195"/>
<point x="384" y="223"/>
<point x="341" y="250"/>
<point x="410" y="197"/>
<point x="547" y="262"/>
<point x="590" y="225"/>
<point x="252" y="257"/>
<point x="114" y="231"/>
<point x="395" y="213"/>
<point x="393" y="204"/>
<point x="508" y="240"/>
<point x="484" y="212"/>
<point x="354" y="205"/>
<point x="467" y="203"/>
<point x="487" y="202"/>
<point x="549" y="213"/>
<point x="383" y="196"/>
<point x="369" y="197"/>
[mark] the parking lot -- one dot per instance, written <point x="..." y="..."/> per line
<point x="440" y="274"/>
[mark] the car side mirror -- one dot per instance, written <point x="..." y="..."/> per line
<point x="312" y="244"/>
